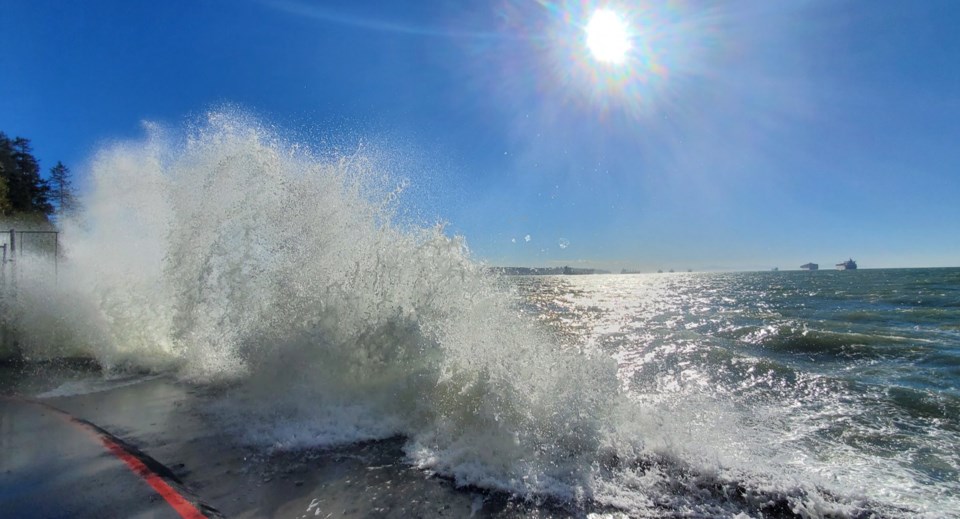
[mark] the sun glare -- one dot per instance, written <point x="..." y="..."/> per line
<point x="607" y="37"/>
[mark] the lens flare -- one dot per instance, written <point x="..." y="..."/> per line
<point x="608" y="37"/>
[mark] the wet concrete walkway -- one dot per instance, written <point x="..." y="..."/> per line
<point x="52" y="465"/>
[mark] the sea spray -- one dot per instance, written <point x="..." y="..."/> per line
<point x="228" y="256"/>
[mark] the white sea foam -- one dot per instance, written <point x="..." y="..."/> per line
<point x="228" y="255"/>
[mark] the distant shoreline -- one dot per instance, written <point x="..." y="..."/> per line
<point x="546" y="271"/>
<point x="570" y="271"/>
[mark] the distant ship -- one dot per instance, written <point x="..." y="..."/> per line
<point x="847" y="265"/>
<point x="814" y="266"/>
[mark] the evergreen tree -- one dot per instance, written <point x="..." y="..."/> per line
<point x="27" y="191"/>
<point x="5" y="208"/>
<point x="61" y="187"/>
<point x="7" y="171"/>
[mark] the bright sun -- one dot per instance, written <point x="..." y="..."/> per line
<point x="607" y="37"/>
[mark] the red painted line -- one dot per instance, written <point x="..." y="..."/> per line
<point x="174" y="499"/>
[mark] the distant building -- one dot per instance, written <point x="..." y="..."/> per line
<point x="810" y="266"/>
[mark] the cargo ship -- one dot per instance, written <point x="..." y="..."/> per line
<point x="810" y="266"/>
<point x="847" y="265"/>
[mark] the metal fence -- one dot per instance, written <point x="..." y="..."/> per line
<point x="18" y="241"/>
<point x="15" y="243"/>
<point x="22" y="253"/>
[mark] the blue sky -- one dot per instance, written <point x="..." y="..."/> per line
<point x="736" y="135"/>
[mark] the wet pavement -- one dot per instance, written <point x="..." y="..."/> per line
<point x="53" y="466"/>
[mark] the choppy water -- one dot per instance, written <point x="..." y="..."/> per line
<point x="231" y="258"/>
<point x="845" y="380"/>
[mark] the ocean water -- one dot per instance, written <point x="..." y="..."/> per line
<point x="845" y="384"/>
<point x="230" y="258"/>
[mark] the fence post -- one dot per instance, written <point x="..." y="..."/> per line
<point x="13" y="245"/>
